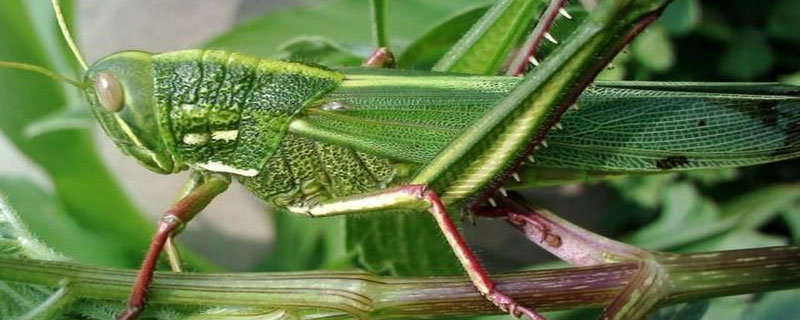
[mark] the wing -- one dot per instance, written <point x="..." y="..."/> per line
<point x="621" y="127"/>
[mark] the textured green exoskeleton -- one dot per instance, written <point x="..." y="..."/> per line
<point x="297" y="134"/>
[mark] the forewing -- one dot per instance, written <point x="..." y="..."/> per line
<point x="619" y="127"/>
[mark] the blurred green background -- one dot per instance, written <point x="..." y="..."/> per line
<point x="82" y="198"/>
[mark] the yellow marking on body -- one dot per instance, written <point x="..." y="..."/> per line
<point x="221" y="167"/>
<point x="195" y="138"/>
<point x="379" y="201"/>
<point x="226" y="135"/>
<point x="191" y="108"/>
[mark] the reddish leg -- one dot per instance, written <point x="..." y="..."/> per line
<point x="474" y="270"/>
<point x="416" y="196"/>
<point x="170" y="224"/>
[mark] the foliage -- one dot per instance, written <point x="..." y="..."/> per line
<point x="693" y="211"/>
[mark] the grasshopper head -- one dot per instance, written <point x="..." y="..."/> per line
<point x="119" y="88"/>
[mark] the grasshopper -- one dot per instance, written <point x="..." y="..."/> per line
<point x="321" y="142"/>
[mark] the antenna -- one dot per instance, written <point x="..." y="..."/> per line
<point x="40" y="70"/>
<point x="67" y="36"/>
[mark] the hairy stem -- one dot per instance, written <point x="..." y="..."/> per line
<point x="692" y="276"/>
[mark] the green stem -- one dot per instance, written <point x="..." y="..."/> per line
<point x="378" y="14"/>
<point x="691" y="276"/>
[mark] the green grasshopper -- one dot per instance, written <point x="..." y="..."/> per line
<point x="321" y="142"/>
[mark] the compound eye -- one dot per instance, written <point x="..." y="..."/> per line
<point x="109" y="92"/>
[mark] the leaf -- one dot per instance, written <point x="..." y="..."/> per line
<point x="747" y="57"/>
<point x="68" y="158"/>
<point x="782" y="21"/>
<point x="423" y="53"/>
<point x="65" y="119"/>
<point x="792" y="79"/>
<point x="682" y="311"/>
<point x="728" y="307"/>
<point x="735" y="239"/>
<point x="302" y="243"/>
<point x="781" y="305"/>
<point x="484" y="48"/>
<point x="15" y="238"/>
<point x="320" y="50"/>
<point x="401" y="243"/>
<point x="17" y="241"/>
<point x="50" y="222"/>
<point x="683" y="207"/>
<point x="645" y="191"/>
<point x="688" y="218"/>
<point x="344" y="20"/>
<point x="756" y="208"/>
<point x="653" y="49"/>
<point x="681" y="17"/>
<point x="792" y="217"/>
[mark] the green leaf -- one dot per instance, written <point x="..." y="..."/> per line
<point x="792" y="79"/>
<point x="423" y="53"/>
<point x="747" y="57"/>
<point x="645" y="191"/>
<point x="792" y="217"/>
<point x="65" y="119"/>
<point x="782" y="21"/>
<point x="688" y="218"/>
<point x="344" y="20"/>
<point x="682" y="311"/>
<point x="302" y="243"/>
<point x="48" y="221"/>
<point x="653" y="49"/>
<point x="780" y="305"/>
<point x="760" y="206"/>
<point x="735" y="239"/>
<point x="16" y="240"/>
<point x="484" y="48"/>
<point x="728" y="307"/>
<point x="320" y="50"/>
<point x="681" y="17"/>
<point x="401" y="243"/>
<point x="69" y="157"/>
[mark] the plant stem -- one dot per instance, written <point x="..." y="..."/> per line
<point x="692" y="276"/>
<point x="378" y="14"/>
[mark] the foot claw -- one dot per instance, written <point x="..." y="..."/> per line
<point x="507" y="304"/>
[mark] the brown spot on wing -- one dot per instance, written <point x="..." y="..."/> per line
<point x="671" y="162"/>
<point x="764" y="111"/>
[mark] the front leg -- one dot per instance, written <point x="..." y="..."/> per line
<point x="419" y="197"/>
<point x="171" y="222"/>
